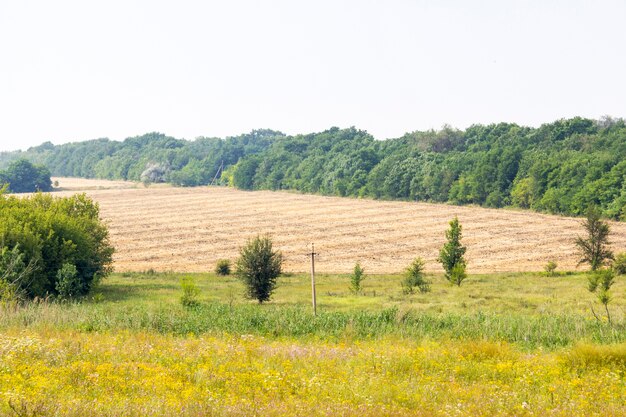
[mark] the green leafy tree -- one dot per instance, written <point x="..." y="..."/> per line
<point x="24" y="177"/>
<point x="258" y="267"/>
<point x="356" y="279"/>
<point x="452" y="254"/>
<point x="594" y="249"/>
<point x="414" y="278"/>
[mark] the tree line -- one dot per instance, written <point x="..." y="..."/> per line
<point x="561" y="167"/>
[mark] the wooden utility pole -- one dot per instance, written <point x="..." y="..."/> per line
<point x="312" y="255"/>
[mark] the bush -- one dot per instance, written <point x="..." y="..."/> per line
<point x="189" y="297"/>
<point x="550" y="268"/>
<point x="68" y="283"/>
<point x="356" y="279"/>
<point x="222" y="267"/>
<point x="50" y="233"/>
<point x="619" y="266"/>
<point x="414" y="278"/>
<point x="258" y="267"/>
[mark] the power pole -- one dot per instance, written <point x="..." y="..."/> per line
<point x="312" y="255"/>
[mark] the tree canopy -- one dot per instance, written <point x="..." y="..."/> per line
<point x="561" y="167"/>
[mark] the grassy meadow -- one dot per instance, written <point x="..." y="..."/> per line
<point x="501" y="344"/>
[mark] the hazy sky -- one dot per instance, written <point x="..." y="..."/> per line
<point x="77" y="70"/>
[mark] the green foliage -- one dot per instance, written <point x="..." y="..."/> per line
<point x="13" y="273"/>
<point x="550" y="268"/>
<point x="457" y="274"/>
<point x="452" y="254"/>
<point x="24" y="177"/>
<point x="222" y="267"/>
<point x="51" y="232"/>
<point x="190" y="292"/>
<point x="356" y="279"/>
<point x="594" y="248"/>
<point x="600" y="282"/>
<point x="414" y="278"/>
<point x="68" y="284"/>
<point x="619" y="265"/>
<point x="258" y="267"/>
<point x="560" y="167"/>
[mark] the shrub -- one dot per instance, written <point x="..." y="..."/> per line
<point x="356" y="279"/>
<point x="190" y="292"/>
<point x="452" y="254"/>
<point x="619" y="266"/>
<point x="258" y="266"/>
<point x="414" y="277"/>
<point x="51" y="232"/>
<point x="222" y="267"/>
<point x="594" y="248"/>
<point x="550" y="268"/>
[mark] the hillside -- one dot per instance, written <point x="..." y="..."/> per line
<point x="188" y="229"/>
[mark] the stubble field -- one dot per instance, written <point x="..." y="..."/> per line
<point x="188" y="229"/>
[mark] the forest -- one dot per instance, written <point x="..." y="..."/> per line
<point x="560" y="167"/>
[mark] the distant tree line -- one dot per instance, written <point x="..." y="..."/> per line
<point x="561" y="167"/>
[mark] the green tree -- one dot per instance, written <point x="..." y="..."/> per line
<point x="452" y="254"/>
<point x="24" y="177"/>
<point x="594" y="249"/>
<point x="356" y="279"/>
<point x="258" y="267"/>
<point x="414" y="278"/>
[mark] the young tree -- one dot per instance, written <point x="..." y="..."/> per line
<point x="356" y="279"/>
<point x="452" y="254"/>
<point x="594" y="249"/>
<point x="600" y="282"/>
<point x="258" y="267"/>
<point x="414" y="277"/>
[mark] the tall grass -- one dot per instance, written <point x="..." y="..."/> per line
<point x="548" y="331"/>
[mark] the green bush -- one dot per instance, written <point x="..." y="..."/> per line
<point x="189" y="297"/>
<point x="414" y="278"/>
<point x="258" y="266"/>
<point x="356" y="279"/>
<point x="619" y="266"/>
<point x="550" y="268"/>
<point x="50" y="233"/>
<point x="222" y="267"/>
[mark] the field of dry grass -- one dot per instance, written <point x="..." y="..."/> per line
<point x="188" y="229"/>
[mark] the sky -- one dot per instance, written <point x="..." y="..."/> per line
<point x="79" y="70"/>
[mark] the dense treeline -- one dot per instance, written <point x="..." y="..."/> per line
<point x="561" y="167"/>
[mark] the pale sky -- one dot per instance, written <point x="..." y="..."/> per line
<point x="78" y="70"/>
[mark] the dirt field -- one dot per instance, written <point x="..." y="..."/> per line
<point x="188" y="229"/>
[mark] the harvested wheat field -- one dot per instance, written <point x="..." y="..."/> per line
<point x="188" y="229"/>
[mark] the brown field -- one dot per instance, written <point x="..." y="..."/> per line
<point x="188" y="229"/>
